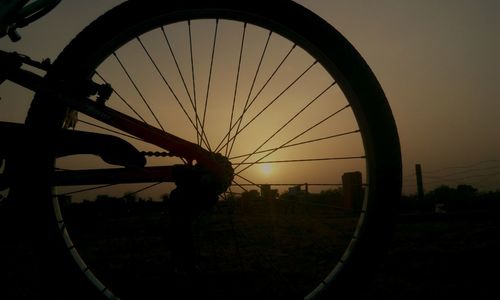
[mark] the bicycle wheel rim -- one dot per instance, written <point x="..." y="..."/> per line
<point x="381" y="172"/>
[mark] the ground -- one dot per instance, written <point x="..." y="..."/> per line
<point x="433" y="256"/>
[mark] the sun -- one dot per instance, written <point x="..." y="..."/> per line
<point x="266" y="169"/>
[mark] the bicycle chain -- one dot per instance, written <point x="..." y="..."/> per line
<point x="156" y="154"/>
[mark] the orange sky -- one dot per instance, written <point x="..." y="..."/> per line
<point x="436" y="60"/>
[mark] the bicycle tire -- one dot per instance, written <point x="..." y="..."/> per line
<point x="365" y="97"/>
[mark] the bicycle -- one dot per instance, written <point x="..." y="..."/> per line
<point x="221" y="89"/>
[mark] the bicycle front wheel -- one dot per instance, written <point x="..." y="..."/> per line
<point x="279" y="93"/>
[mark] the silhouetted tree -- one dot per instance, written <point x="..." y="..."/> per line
<point x="490" y="201"/>
<point x="463" y="197"/>
<point x="442" y="194"/>
<point x="335" y="195"/>
<point x="408" y="204"/>
<point x="251" y="195"/>
<point x="129" y="198"/>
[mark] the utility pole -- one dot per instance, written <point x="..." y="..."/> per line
<point x="352" y="190"/>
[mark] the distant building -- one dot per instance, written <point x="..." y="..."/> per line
<point x="267" y="193"/>
<point x="297" y="189"/>
<point x="294" y="190"/>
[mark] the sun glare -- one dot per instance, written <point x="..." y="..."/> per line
<point x="266" y="169"/>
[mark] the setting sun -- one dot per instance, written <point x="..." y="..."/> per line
<point x="266" y="169"/>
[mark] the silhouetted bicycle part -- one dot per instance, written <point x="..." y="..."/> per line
<point x="16" y="14"/>
<point x="213" y="82"/>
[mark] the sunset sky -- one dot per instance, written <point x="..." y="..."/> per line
<point x="438" y="62"/>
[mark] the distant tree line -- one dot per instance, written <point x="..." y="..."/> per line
<point x="463" y="197"/>
<point x="331" y="194"/>
<point x="106" y="205"/>
<point x="449" y="199"/>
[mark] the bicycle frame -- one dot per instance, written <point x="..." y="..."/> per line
<point x="99" y="143"/>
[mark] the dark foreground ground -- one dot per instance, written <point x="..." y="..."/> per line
<point x="431" y="257"/>
<point x="442" y="257"/>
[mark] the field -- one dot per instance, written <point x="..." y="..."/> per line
<point x="430" y="257"/>
<point x="441" y="257"/>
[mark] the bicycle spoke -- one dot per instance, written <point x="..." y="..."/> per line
<point x="177" y="66"/>
<point x="245" y="179"/>
<point x="300" y="134"/>
<point x="297" y="144"/>
<point x="86" y="190"/>
<point x="221" y="145"/>
<point x="195" y="101"/>
<point x="292" y="184"/>
<point x="236" y="88"/>
<point x="298" y="160"/>
<point x="274" y="100"/>
<point x="145" y="188"/>
<point x="110" y="130"/>
<point x="240" y="186"/>
<point x="212" y="56"/>
<point x="197" y="120"/>
<point x="169" y="86"/>
<point x="121" y="98"/>
<point x="137" y="90"/>
<point x="246" y="106"/>
<point x="291" y="119"/>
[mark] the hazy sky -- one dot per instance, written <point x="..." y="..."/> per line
<point x="438" y="62"/>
